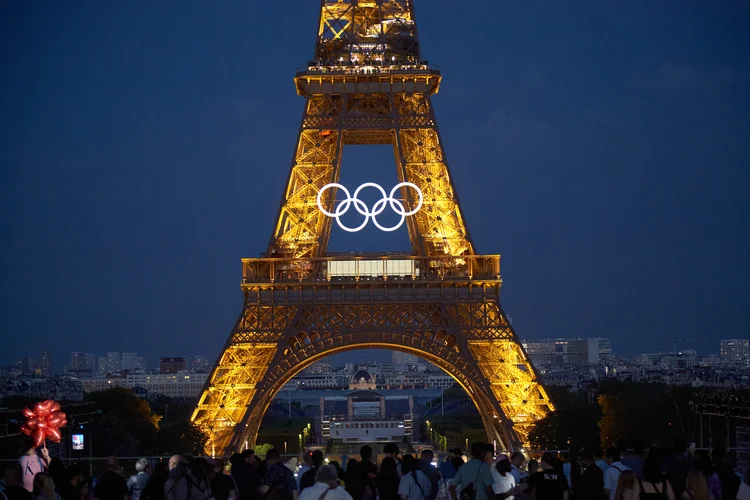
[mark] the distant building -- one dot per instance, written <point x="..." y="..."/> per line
<point x="362" y="380"/>
<point x="172" y="365"/>
<point x="50" y="387"/>
<point x="572" y="352"/>
<point x="82" y="363"/>
<point x="178" y="385"/>
<point x="101" y="365"/>
<point x="735" y="352"/>
<point x="141" y="364"/>
<point x="365" y="416"/>
<point x="404" y="361"/>
<point x="45" y="363"/>
<point x="199" y="364"/>
<point x="27" y="365"/>
<point x="114" y="362"/>
<point x="129" y="361"/>
<point x="308" y="381"/>
<point x="319" y="367"/>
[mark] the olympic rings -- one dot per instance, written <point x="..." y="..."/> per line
<point x="361" y="207"/>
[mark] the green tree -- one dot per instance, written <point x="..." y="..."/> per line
<point x="655" y="413"/>
<point x="126" y="425"/>
<point x="574" y="423"/>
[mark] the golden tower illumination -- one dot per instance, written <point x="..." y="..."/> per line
<point x="367" y="84"/>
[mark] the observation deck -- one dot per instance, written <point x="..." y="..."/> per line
<point x="371" y="269"/>
<point x="371" y="78"/>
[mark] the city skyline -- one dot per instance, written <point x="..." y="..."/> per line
<point x="579" y="348"/>
<point x="608" y="171"/>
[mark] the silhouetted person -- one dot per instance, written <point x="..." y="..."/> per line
<point x="71" y="489"/>
<point x="111" y="486"/>
<point x="154" y="489"/>
<point x="369" y="472"/>
<point x="429" y="470"/>
<point x="278" y="475"/>
<point x="13" y="489"/>
<point x="387" y="481"/>
<point x="591" y="485"/>
<point x="308" y="478"/>
<point x="246" y="477"/>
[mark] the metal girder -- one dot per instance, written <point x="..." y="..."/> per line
<point x="469" y="338"/>
<point x="368" y="85"/>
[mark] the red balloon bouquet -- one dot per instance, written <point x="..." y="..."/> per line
<point x="44" y="421"/>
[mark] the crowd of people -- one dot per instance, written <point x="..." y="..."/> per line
<point x="582" y="475"/>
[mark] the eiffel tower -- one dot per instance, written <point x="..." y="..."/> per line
<point x="368" y="84"/>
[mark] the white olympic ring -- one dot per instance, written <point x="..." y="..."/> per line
<point x="362" y="208"/>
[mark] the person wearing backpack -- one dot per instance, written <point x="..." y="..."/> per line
<point x="326" y="486"/>
<point x="475" y="476"/>
<point x="414" y="484"/>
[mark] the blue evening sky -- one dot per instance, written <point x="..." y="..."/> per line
<point x="602" y="147"/>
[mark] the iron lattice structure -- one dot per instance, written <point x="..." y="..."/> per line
<point x="368" y="84"/>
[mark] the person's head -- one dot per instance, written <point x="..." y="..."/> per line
<point x="695" y="483"/>
<point x="388" y="468"/>
<point x="12" y="474"/>
<point x="219" y="465"/>
<point x="612" y="455"/>
<point x="365" y="453"/>
<point x="456" y="452"/>
<point x="77" y="475"/>
<point x="549" y="461"/>
<point x="337" y="466"/>
<point x="327" y="474"/>
<point x="44" y="486"/>
<point x="273" y="456"/>
<point x="587" y="459"/>
<point x="478" y="450"/>
<point x="142" y="465"/>
<point x="598" y="452"/>
<point x="30" y="446"/>
<point x="174" y="460"/>
<point x="317" y="458"/>
<point x="408" y="464"/>
<point x="235" y="460"/>
<point x="391" y="449"/>
<point x="249" y="456"/>
<point x="652" y="469"/>
<point x="639" y="446"/>
<point x="307" y="458"/>
<point x="503" y="465"/>
<point x="489" y="453"/>
<point x="110" y="463"/>
<point x="427" y="456"/>
<point x="517" y="459"/>
<point x="533" y="466"/>
<point x="627" y="481"/>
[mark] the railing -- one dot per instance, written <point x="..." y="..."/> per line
<point x="368" y="70"/>
<point x="371" y="268"/>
